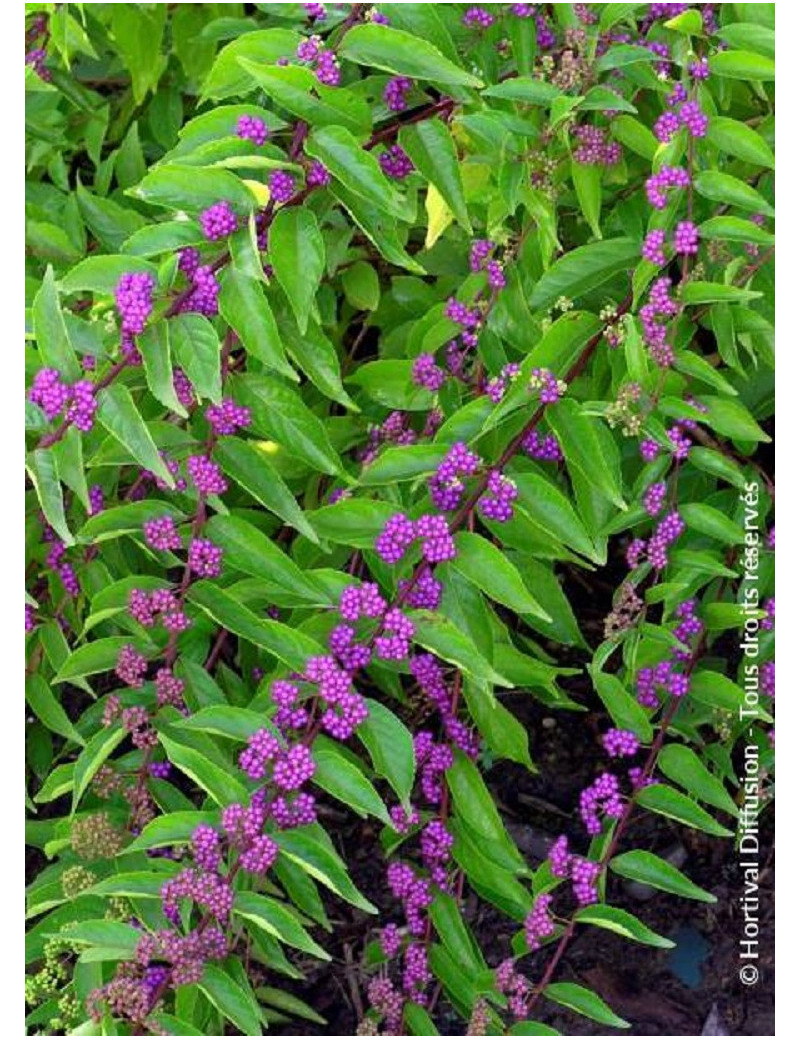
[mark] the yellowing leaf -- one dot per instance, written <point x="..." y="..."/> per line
<point x="268" y="447"/>
<point x="259" y="191"/>
<point x="440" y="216"/>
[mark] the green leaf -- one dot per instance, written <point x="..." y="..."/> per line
<point x="137" y="36"/>
<point x="153" y="345"/>
<point x="714" y="292"/>
<point x="287" y="644"/>
<point x="230" y="999"/>
<point x="289" y="1003"/>
<point x="697" y="367"/>
<point x="635" y="136"/>
<point x="712" y="522"/>
<point x="92" y="658"/>
<point x="740" y="140"/>
<point x="418" y="1020"/>
<point x="681" y="765"/>
<point x="278" y="920"/>
<point x="297" y="255"/>
<point x="487" y="567"/>
<point x="41" y="467"/>
<point x="714" y="462"/>
<point x="173" y="829"/>
<point x="250" y="551"/>
<point x="735" y="229"/>
<point x="523" y="88"/>
<point x="127" y="519"/>
<point x="322" y="863"/>
<point x="742" y="65"/>
<point x="649" y="869"/>
<point x="299" y="92"/>
<point x="176" y="1026"/>
<point x="391" y="748"/>
<point x="356" y="168"/>
<point x="622" y="54"/>
<point x="108" y="221"/>
<point x="137" y="884"/>
<point x="474" y="803"/>
<point x="402" y="463"/>
<point x="528" y="1029"/>
<point x="221" y="784"/>
<point x="603" y="99"/>
<point x="48" y="710"/>
<point x="586" y="180"/>
<point x="254" y="472"/>
<point x="225" y="720"/>
<point x="722" y="187"/>
<point x="623" y="708"/>
<point x="623" y="923"/>
<point x="388" y="381"/>
<point x="439" y="635"/>
<point x="362" y="289"/>
<point x="716" y="690"/>
<point x="732" y="419"/>
<point x="58" y="782"/>
<point x="666" y="801"/>
<point x="197" y="350"/>
<point x="689" y="22"/>
<point x="585" y="1002"/>
<point x="316" y="356"/>
<point x="52" y="338"/>
<point x="116" y="934"/>
<point x="431" y="148"/>
<point x="584" y="449"/>
<point x="612" y="14"/>
<point x="279" y="412"/>
<point x="393" y="50"/>
<point x="380" y="227"/>
<point x="541" y="578"/>
<point x="227" y="77"/>
<point x="100" y="274"/>
<point x="551" y="510"/>
<point x="454" y="934"/>
<point x="244" y="306"/>
<point x="339" y="775"/>
<point x="749" y="36"/>
<point x="118" y="413"/>
<point x="193" y="188"/>
<point x="70" y="465"/>
<point x="92" y="757"/>
<point x="352" y="521"/>
<point x="584" y="268"/>
<point x="505" y="736"/>
<point x="156" y="239"/>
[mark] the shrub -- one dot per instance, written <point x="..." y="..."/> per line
<point x="391" y="371"/>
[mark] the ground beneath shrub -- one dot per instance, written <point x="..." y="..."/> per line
<point x="660" y="992"/>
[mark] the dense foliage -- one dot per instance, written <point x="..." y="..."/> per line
<point x="373" y="354"/>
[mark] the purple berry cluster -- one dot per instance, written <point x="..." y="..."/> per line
<point x="149" y="607"/>
<point x="594" y="148"/>
<point x="395" y="163"/>
<point x="77" y="401"/>
<point x="399" y="533"/>
<point x="496" y="503"/>
<point x="218" y="221"/>
<point x="395" y="93"/>
<point x="446" y="486"/>
<point x="227" y="417"/>
<point x="251" y="128"/>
